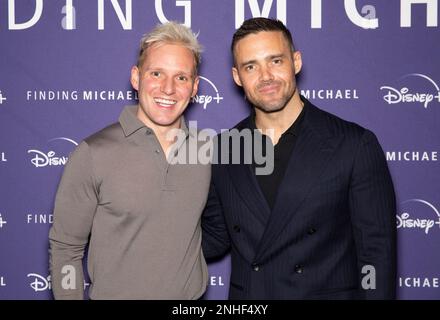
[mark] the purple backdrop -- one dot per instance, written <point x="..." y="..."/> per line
<point x="64" y="74"/>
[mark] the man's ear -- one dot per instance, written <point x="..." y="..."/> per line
<point x="297" y="61"/>
<point x="134" y="78"/>
<point x="195" y="86"/>
<point x="236" y="76"/>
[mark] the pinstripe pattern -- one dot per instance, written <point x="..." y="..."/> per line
<point x="334" y="213"/>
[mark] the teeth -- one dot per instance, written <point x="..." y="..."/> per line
<point x="164" y="102"/>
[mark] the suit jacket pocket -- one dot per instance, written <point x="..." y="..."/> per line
<point x="236" y="286"/>
<point x="345" y="293"/>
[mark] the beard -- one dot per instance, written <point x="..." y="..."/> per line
<point x="274" y="105"/>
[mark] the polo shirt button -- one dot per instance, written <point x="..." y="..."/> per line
<point x="236" y="228"/>
<point x="255" y="267"/>
<point x="157" y="151"/>
<point x="311" y="231"/>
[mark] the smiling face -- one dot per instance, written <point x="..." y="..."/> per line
<point x="165" y="82"/>
<point x="265" y="67"/>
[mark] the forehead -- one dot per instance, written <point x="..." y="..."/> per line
<point x="261" y="43"/>
<point x="169" y="56"/>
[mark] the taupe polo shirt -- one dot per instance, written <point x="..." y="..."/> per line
<point x="139" y="214"/>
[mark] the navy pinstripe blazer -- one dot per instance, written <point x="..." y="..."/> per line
<point x="331" y="233"/>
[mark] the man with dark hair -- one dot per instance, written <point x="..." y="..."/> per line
<point x="322" y="224"/>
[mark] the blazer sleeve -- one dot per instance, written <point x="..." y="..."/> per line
<point x="373" y="212"/>
<point x="215" y="236"/>
<point x="75" y="206"/>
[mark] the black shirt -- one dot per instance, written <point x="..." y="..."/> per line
<point x="282" y="152"/>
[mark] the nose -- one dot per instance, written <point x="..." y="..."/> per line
<point x="266" y="74"/>
<point x="168" y="86"/>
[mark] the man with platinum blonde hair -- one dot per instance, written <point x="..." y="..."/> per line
<point x="139" y="214"/>
<point x="171" y="33"/>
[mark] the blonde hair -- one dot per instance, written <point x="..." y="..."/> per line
<point x="174" y="33"/>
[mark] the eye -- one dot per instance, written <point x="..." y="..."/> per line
<point x="155" y="74"/>
<point x="249" y="67"/>
<point x="277" y="61"/>
<point x="182" y="78"/>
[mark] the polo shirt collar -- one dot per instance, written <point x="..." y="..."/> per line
<point x="130" y="122"/>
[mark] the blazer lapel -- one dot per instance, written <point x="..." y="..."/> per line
<point x="246" y="184"/>
<point x="308" y="161"/>
<point x="249" y="191"/>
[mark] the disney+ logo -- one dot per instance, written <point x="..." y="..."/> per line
<point x="405" y="95"/>
<point x="422" y="222"/>
<point x="42" y="159"/>
<point x="207" y="99"/>
<point x="39" y="283"/>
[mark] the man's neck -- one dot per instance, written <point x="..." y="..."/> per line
<point x="164" y="134"/>
<point x="279" y="121"/>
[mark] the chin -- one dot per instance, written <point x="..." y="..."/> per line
<point x="270" y="109"/>
<point x="165" y="122"/>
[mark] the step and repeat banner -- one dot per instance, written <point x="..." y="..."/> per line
<point x="64" y="74"/>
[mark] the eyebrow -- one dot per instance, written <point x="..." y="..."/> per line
<point x="174" y="72"/>
<point x="271" y="57"/>
<point x="247" y="62"/>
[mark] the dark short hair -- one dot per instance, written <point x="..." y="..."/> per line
<point x="256" y="25"/>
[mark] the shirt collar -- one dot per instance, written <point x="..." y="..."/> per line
<point x="130" y="122"/>
<point x="293" y="129"/>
